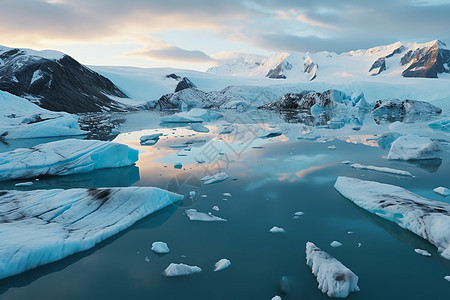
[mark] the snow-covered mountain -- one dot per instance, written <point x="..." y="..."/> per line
<point x="398" y="59"/>
<point x="56" y="81"/>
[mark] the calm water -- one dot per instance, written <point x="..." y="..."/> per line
<point x="270" y="180"/>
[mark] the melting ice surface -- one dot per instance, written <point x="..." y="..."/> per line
<point x="271" y="180"/>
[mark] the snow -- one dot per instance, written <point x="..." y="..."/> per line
<point x="335" y="244"/>
<point x="47" y="54"/>
<point x="442" y="191"/>
<point x="426" y="218"/>
<point x="36" y="76"/>
<point x="21" y="119"/>
<point x="422" y="252"/>
<point x="215" y="178"/>
<point x="222" y="264"/>
<point x="160" y="247"/>
<point x="414" y="147"/>
<point x="64" y="157"/>
<point x="381" y="169"/>
<point x="194" y="215"/>
<point x="195" y="115"/>
<point x="334" y="279"/>
<point x="44" y="226"/>
<point x="276" y="229"/>
<point x="180" y="270"/>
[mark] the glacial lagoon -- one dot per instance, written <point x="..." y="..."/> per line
<point x="270" y="179"/>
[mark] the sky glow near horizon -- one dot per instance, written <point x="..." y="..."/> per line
<point x="197" y="34"/>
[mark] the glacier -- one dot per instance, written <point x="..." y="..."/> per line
<point x="42" y="226"/>
<point x="426" y="218"/>
<point x="64" y="157"/>
<point x="334" y="279"/>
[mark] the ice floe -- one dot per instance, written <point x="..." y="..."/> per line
<point x="332" y="147"/>
<point x="335" y="244"/>
<point x="226" y="194"/>
<point x="215" y="178"/>
<point x="195" y="215"/>
<point x="426" y="218"/>
<point x="422" y="252"/>
<point x="28" y="183"/>
<point x="276" y="229"/>
<point x="216" y="208"/>
<point x="276" y="298"/>
<point x="180" y="270"/>
<point x="299" y="213"/>
<point x="334" y="279"/>
<point x="381" y="169"/>
<point x="199" y="128"/>
<point x="413" y="147"/>
<point x="42" y="226"/>
<point x="160" y="247"/>
<point x="195" y="115"/>
<point x="222" y="264"/>
<point x="64" y="157"/>
<point x="151" y="139"/>
<point x="442" y="191"/>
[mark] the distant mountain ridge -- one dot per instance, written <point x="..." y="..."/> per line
<point x="426" y="60"/>
<point x="56" y="81"/>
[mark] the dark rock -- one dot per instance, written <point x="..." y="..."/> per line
<point x="276" y="73"/>
<point x="378" y="66"/>
<point x="58" y="85"/>
<point x="185" y="83"/>
<point x="427" y="62"/>
<point x="173" y="76"/>
<point x="392" y="110"/>
<point x="310" y="68"/>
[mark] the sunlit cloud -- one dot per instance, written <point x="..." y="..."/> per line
<point x="310" y="21"/>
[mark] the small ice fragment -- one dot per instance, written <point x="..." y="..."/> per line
<point x="181" y="154"/>
<point x="176" y="146"/>
<point x="28" y="183"/>
<point x="160" y="247"/>
<point x="201" y="161"/>
<point x="422" y="252"/>
<point x="447" y="278"/>
<point x="194" y="215"/>
<point x="332" y="147"/>
<point x="276" y="229"/>
<point x="216" y="208"/>
<point x="359" y="245"/>
<point x="192" y="194"/>
<point x="346" y="162"/>
<point x="299" y="213"/>
<point x="350" y="232"/>
<point x="335" y="244"/>
<point x="149" y="140"/>
<point x="214" y="178"/>
<point x="147" y="259"/>
<point x="226" y="194"/>
<point x="276" y="298"/>
<point x="222" y="264"/>
<point x="381" y="169"/>
<point x="204" y="196"/>
<point x="180" y="270"/>
<point x="442" y="191"/>
<point x="178" y="165"/>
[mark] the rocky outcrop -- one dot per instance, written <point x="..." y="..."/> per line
<point x="427" y="61"/>
<point x="185" y="83"/>
<point x="310" y="69"/>
<point x="278" y="71"/>
<point x="378" y="66"/>
<point x="58" y="84"/>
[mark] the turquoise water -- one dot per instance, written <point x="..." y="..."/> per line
<point x="270" y="180"/>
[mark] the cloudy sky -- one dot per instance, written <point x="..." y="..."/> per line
<point x="196" y="34"/>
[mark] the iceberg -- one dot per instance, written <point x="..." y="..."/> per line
<point x="180" y="270"/>
<point x="195" y="115"/>
<point x="442" y="191"/>
<point x="194" y="215"/>
<point x="381" y="169"/>
<point x="413" y="147"/>
<point x="42" y="226"/>
<point x="276" y="298"/>
<point x="151" y="139"/>
<point x="160" y="248"/>
<point x="422" y="252"/>
<point x="270" y="134"/>
<point x="222" y="264"/>
<point x="335" y="244"/>
<point x="197" y="127"/>
<point x="64" y="157"/>
<point x="442" y="125"/>
<point x="214" y="178"/>
<point x="334" y="279"/>
<point x="276" y="229"/>
<point x="426" y="218"/>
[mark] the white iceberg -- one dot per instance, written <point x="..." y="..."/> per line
<point x="413" y="147"/>
<point x="195" y="115"/>
<point x="332" y="147"/>
<point x="160" y="247"/>
<point x="422" y="252"/>
<point x="276" y="229"/>
<point x="335" y="244"/>
<point x="215" y="178"/>
<point x="180" y="270"/>
<point x="226" y="194"/>
<point x="194" y="215"/>
<point x="216" y="208"/>
<point x="299" y="213"/>
<point x="276" y="298"/>
<point x="381" y="169"/>
<point x="442" y="191"/>
<point x="222" y="264"/>
<point x="64" y="157"/>
<point x="44" y="226"/>
<point x="28" y="183"/>
<point x="151" y="139"/>
<point x="426" y="218"/>
<point x="447" y="278"/>
<point x="334" y="279"/>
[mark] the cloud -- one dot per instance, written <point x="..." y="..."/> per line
<point x="307" y="20"/>
<point x="174" y="54"/>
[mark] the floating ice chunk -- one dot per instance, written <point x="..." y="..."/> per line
<point x="28" y="183"/>
<point x="214" y="178"/>
<point x="226" y="194"/>
<point x="195" y="115"/>
<point x="442" y="191"/>
<point x="270" y="133"/>
<point x="194" y="215"/>
<point x="204" y="196"/>
<point x="381" y="169"/>
<point x="299" y="213"/>
<point x="346" y="162"/>
<point x="44" y="226"/>
<point x="216" y="208"/>
<point x="199" y="128"/>
<point x="178" y="165"/>
<point x="422" y="252"/>
<point x="332" y="147"/>
<point x="276" y="229"/>
<point x="160" y="247"/>
<point x="201" y="161"/>
<point x="334" y="279"/>
<point x="447" y="278"/>
<point x="147" y="259"/>
<point x="335" y="244"/>
<point x="359" y="245"/>
<point x="413" y="147"/>
<point x="150" y="139"/>
<point x="64" y="157"/>
<point x="191" y="194"/>
<point x="180" y="270"/>
<point x="426" y="218"/>
<point x="222" y="264"/>
<point x="276" y="298"/>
